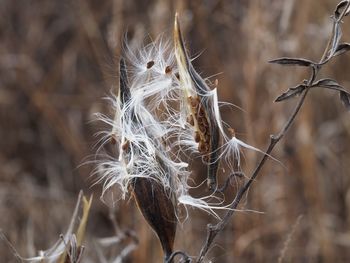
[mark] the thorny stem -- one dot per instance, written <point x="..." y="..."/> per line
<point x="214" y="230"/>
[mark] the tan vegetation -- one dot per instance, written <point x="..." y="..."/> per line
<point x="56" y="64"/>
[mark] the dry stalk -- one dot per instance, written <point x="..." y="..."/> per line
<point x="332" y="49"/>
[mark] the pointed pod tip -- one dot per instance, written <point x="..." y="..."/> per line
<point x="176" y="25"/>
<point x="178" y="41"/>
<point x="176" y="21"/>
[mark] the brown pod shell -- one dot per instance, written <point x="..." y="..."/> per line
<point x="202" y="147"/>
<point x="190" y="120"/>
<point x="203" y="129"/>
<point x="201" y="104"/>
<point x="197" y="137"/>
<point x="158" y="209"/>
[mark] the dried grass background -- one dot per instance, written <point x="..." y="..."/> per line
<point x="56" y="63"/>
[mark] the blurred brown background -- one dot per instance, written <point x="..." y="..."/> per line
<point x="56" y="64"/>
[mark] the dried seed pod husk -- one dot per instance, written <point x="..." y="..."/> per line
<point x="155" y="202"/>
<point x="201" y="105"/>
<point x="156" y="206"/>
<point x="124" y="92"/>
<point x="123" y="95"/>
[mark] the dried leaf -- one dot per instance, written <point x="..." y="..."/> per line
<point x="157" y="208"/>
<point x="83" y="221"/>
<point x="291" y="92"/>
<point x="335" y="40"/>
<point x="342" y="48"/>
<point x="326" y="83"/>
<point x="293" y="62"/>
<point x="329" y="84"/>
<point x="332" y="84"/>
<point x="339" y="9"/>
<point x="345" y="99"/>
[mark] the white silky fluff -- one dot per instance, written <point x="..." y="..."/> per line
<point x="158" y="135"/>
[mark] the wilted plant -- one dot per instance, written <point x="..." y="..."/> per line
<point x="69" y="248"/>
<point x="165" y="111"/>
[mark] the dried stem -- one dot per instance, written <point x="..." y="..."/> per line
<point x="214" y="230"/>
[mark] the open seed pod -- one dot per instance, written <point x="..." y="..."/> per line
<point x="158" y="210"/>
<point x="200" y="107"/>
<point x="156" y="202"/>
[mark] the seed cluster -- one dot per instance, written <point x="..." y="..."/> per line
<point x="202" y="134"/>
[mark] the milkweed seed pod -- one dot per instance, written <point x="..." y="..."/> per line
<point x="157" y="208"/>
<point x="163" y="111"/>
<point x="200" y="107"/>
<point x="156" y="203"/>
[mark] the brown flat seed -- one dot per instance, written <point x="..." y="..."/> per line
<point x="201" y="147"/>
<point x="113" y="140"/>
<point x="125" y="145"/>
<point x="203" y="122"/>
<point x="202" y="128"/>
<point x="190" y="120"/>
<point x="168" y="70"/>
<point x="201" y="113"/>
<point x="150" y="64"/>
<point x="194" y="102"/>
<point x="197" y="137"/>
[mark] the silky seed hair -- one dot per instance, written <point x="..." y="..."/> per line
<point x="170" y="116"/>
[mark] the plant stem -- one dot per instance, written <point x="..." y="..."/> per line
<point x="214" y="230"/>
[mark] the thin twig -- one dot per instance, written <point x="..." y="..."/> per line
<point x="214" y="230"/>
